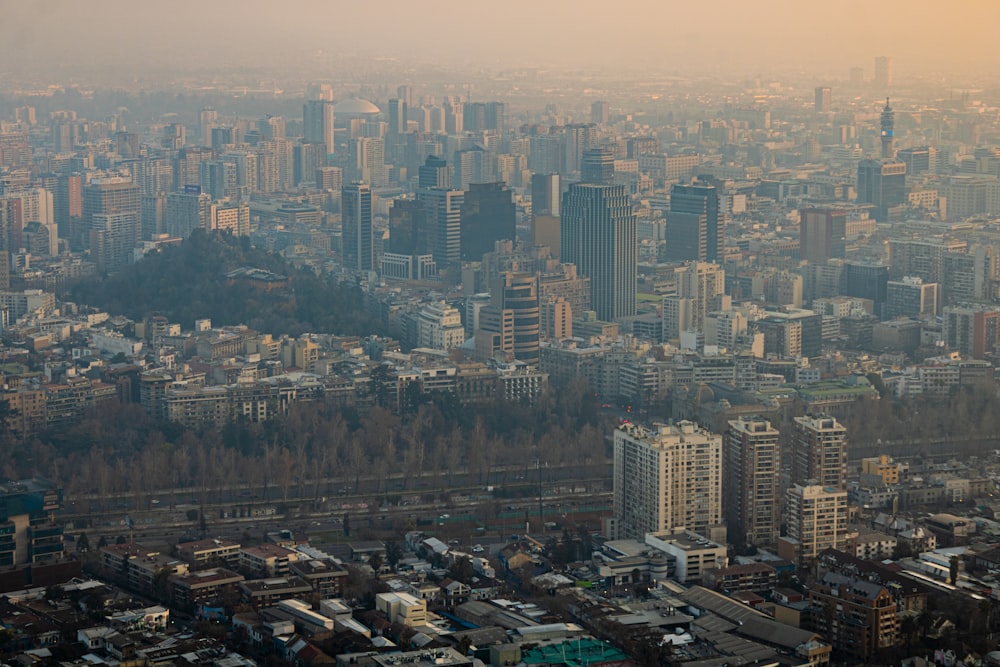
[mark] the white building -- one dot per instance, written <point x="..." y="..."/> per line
<point x="439" y="327"/>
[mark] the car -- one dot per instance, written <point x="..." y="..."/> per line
<point x="445" y="516"/>
<point x="154" y="501"/>
<point x="478" y="549"/>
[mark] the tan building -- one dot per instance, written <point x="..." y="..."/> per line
<point x="752" y="472"/>
<point x="817" y="520"/>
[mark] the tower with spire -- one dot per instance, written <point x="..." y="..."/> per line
<point x="888" y="122"/>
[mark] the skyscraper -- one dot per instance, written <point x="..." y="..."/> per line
<point x="545" y="194"/>
<point x="823" y="99"/>
<point x="598" y="233"/>
<point x="819" y="451"/>
<point x="701" y="199"/>
<point x="441" y="209"/>
<point x="881" y="183"/>
<point x="512" y="321"/>
<point x="317" y="123"/>
<point x="111" y="195"/>
<point x="817" y="520"/>
<point x="488" y="216"/>
<point x="667" y="478"/>
<point x="600" y="112"/>
<point x="752" y="470"/>
<point x="822" y="234"/>
<point x="598" y="166"/>
<point x="359" y="247"/>
<point x="434" y="173"/>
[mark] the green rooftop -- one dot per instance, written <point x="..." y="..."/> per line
<point x="575" y="653"/>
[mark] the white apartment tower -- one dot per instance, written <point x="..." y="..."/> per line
<point x="666" y="479"/>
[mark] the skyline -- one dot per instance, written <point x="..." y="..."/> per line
<point x="733" y="37"/>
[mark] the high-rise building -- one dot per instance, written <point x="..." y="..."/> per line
<point x="972" y="330"/>
<point x="218" y="179"/>
<point x="207" y="120"/>
<point x="441" y="209"/>
<point x="816" y="517"/>
<point x="819" y="452"/>
<point x="701" y="199"/>
<point x="666" y="479"/>
<point x="110" y="195"/>
<point x="397" y="110"/>
<point x="598" y="233"/>
<point x="488" y="216"/>
<point x="822" y="234"/>
<point x="882" y="184"/>
<point x="187" y="211"/>
<point x="598" y="166"/>
<point x="306" y="159"/>
<point x="434" y="173"/>
<point x="883" y="72"/>
<point x="366" y="161"/>
<point x="600" y="112"/>
<point x="512" y="321"/>
<point x="867" y="281"/>
<point x="752" y="470"/>
<point x="823" y="99"/>
<point x="317" y="124"/>
<point x="545" y="194"/>
<point x="919" y="160"/>
<point x="356" y="217"/>
<point x="112" y="239"/>
<point x="912" y="297"/>
<point x="700" y="290"/>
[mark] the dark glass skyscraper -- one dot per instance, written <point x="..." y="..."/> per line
<point x="356" y="216"/>
<point x="598" y="233"/>
<point x="700" y="199"/>
<point x="488" y="216"/>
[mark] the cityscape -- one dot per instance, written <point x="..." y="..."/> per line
<point x="558" y="334"/>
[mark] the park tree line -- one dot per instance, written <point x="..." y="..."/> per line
<point x="119" y="449"/>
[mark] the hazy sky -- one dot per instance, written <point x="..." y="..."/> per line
<point x="665" y="35"/>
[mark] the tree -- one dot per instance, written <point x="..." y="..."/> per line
<point x="347" y="525"/>
<point x="953" y="570"/>
<point x="461" y="570"/>
<point x="103" y="542"/>
<point x="375" y="563"/>
<point x="83" y="543"/>
<point x="393" y="553"/>
<point x="120" y="539"/>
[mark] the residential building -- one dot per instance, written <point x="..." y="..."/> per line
<point x="752" y="472"/>
<point x="819" y="451"/>
<point x="816" y="517"/>
<point x="666" y="479"/>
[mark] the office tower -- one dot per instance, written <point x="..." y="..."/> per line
<point x="687" y="237"/>
<point x="112" y="238"/>
<point x="187" y="211"/>
<point x="819" y="452"/>
<point x="307" y="158"/>
<point x="434" y="173"/>
<point x="600" y="113"/>
<point x="856" y="75"/>
<point x="317" y="124"/>
<point x="597" y="232"/>
<point x="666" y="479"/>
<point x="822" y="234"/>
<point x="922" y="258"/>
<point x="574" y="140"/>
<point x="405" y="94"/>
<point x="816" y="517"/>
<point x="397" y="113"/>
<point x="882" y="184"/>
<point x="545" y="194"/>
<point x="110" y="195"/>
<point x="752" y="470"/>
<point x="887" y="124"/>
<point x="207" y="120"/>
<point x="911" y="297"/>
<point x="883" y="72"/>
<point x="356" y="216"/>
<point x="488" y="216"/>
<point x="442" y="211"/>
<point x="512" y="321"/>
<point x="920" y="160"/>
<point x="701" y="199"/>
<point x="484" y="116"/>
<point x="823" y="99"/>
<point x="598" y="166"/>
<point x="224" y="137"/>
<point x="791" y="333"/>
<point x="972" y="330"/>
<point x="407" y="236"/>
<point x="218" y="179"/>
<point x="867" y="281"/>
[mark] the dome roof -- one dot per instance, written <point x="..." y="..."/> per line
<point x="355" y="106"/>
